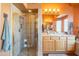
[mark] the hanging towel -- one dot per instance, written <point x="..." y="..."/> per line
<point x="6" y="35"/>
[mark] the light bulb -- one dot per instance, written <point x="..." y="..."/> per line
<point x="45" y="10"/>
<point x="29" y="10"/>
<point x="58" y="10"/>
<point x="49" y="10"/>
<point x="54" y="10"/>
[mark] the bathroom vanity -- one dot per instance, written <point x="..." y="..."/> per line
<point x="56" y="42"/>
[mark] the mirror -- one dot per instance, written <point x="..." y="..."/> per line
<point x="58" y="24"/>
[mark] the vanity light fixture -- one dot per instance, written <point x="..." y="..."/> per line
<point x="52" y="10"/>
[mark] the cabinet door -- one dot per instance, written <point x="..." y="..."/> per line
<point x="61" y="44"/>
<point x="48" y="45"/>
<point x="52" y="45"/>
<point x="77" y="49"/>
<point x="46" y="41"/>
<point x="53" y="39"/>
<point x="71" y="43"/>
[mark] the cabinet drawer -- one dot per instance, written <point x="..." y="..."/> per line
<point x="52" y="45"/>
<point x="46" y="37"/>
<point x="54" y="37"/>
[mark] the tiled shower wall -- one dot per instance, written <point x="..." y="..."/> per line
<point x="29" y="28"/>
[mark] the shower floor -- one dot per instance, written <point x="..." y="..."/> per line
<point x="30" y="51"/>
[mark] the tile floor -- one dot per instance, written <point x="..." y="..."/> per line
<point x="57" y="55"/>
<point x="28" y="52"/>
<point x="63" y="54"/>
<point x="2" y="53"/>
<point x="60" y="54"/>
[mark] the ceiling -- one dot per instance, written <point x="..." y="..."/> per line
<point x="32" y="5"/>
<point x="74" y="4"/>
<point x="20" y="6"/>
<point x="25" y="7"/>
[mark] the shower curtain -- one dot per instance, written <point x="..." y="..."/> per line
<point x="6" y="35"/>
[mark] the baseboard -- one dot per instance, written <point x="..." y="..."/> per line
<point x="55" y="52"/>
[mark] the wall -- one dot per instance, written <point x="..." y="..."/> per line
<point x="6" y="8"/>
<point x="76" y="19"/>
<point x="28" y="30"/>
<point x="1" y="26"/>
<point x="26" y="27"/>
<point x="15" y="12"/>
<point x="0" y="20"/>
<point x="40" y="32"/>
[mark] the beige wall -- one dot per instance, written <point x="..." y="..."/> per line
<point x="76" y="19"/>
<point x="6" y="8"/>
<point x="0" y="28"/>
<point x="0" y="22"/>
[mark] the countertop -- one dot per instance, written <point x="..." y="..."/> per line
<point x="56" y="34"/>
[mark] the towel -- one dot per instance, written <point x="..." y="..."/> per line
<point x="6" y="35"/>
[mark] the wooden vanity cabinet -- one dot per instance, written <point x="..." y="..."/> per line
<point x="52" y="45"/>
<point x="57" y="43"/>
